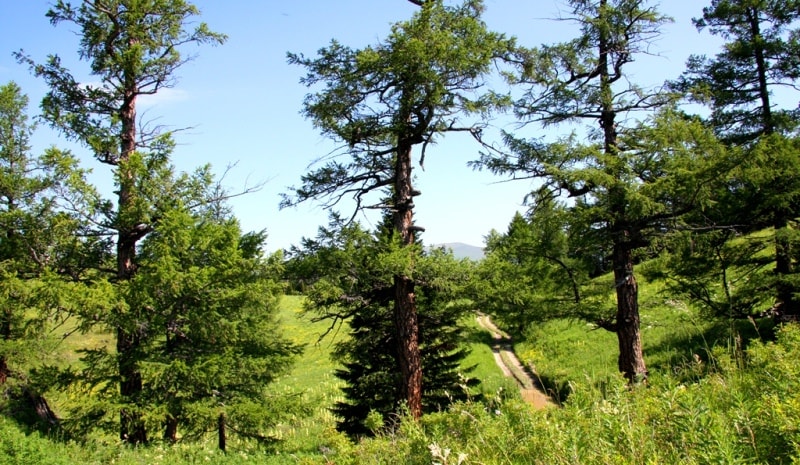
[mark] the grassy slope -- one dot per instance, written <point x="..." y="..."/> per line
<point x="313" y="377"/>
<point x="565" y="353"/>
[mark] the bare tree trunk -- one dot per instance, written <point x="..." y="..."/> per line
<point x="40" y="406"/>
<point x="405" y="306"/>
<point x="171" y="429"/>
<point x="631" y="358"/>
<point x="407" y="328"/>
<point x="222" y="437"/>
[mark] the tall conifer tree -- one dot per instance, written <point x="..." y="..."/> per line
<point x="628" y="183"/>
<point x="382" y="101"/>
<point x="134" y="49"/>
<point x="743" y="85"/>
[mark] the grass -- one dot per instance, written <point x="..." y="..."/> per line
<point x="703" y="405"/>
<point x="481" y="360"/>
<point x="312" y="378"/>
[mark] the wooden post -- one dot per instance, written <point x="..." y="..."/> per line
<point x="221" y="431"/>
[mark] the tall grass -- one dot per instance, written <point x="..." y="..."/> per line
<point x="710" y="399"/>
<point x="743" y="410"/>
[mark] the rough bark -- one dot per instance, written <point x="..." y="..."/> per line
<point x="631" y="359"/>
<point x="405" y="306"/>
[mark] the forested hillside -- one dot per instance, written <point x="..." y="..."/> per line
<point x="649" y="286"/>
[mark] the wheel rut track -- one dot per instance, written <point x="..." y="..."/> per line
<point x="529" y="385"/>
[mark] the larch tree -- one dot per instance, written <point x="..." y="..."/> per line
<point x="751" y="90"/>
<point x="380" y="102"/>
<point x="627" y="183"/>
<point x="134" y="50"/>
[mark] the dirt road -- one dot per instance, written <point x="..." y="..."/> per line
<point x="511" y="366"/>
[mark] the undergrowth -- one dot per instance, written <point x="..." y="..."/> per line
<point x="711" y="398"/>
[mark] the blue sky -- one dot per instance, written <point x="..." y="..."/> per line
<point x="243" y="101"/>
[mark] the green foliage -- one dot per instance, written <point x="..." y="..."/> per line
<point x="761" y="54"/>
<point x="630" y="180"/>
<point x="562" y="81"/>
<point x="134" y="49"/>
<point x="725" y="276"/>
<point x="735" y="414"/>
<point x="739" y="86"/>
<point x="529" y="274"/>
<point x="725" y="406"/>
<point x="352" y="281"/>
<point x="44" y="261"/>
<point x="205" y="301"/>
<point x="409" y="89"/>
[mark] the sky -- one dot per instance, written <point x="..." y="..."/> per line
<point x="240" y="103"/>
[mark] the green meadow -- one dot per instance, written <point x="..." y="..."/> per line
<point x="715" y="395"/>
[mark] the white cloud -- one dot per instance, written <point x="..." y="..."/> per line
<point x="163" y="97"/>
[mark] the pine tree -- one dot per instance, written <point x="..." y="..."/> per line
<point x="742" y="86"/>
<point x="628" y="183"/>
<point x="349" y="273"/>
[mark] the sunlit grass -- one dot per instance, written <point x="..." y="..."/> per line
<point x="668" y="422"/>
<point x="311" y="377"/>
<point x="481" y="359"/>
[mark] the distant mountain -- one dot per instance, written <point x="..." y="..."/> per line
<point x="461" y="250"/>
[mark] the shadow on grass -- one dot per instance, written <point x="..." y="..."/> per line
<point x="681" y="350"/>
<point x="478" y="336"/>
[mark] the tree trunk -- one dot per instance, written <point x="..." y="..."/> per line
<point x="405" y="306"/>
<point x="40" y="406"/>
<point x="787" y="305"/>
<point x="762" y="70"/>
<point x="222" y="438"/>
<point x="788" y="309"/>
<point x="3" y="369"/>
<point x="407" y="328"/>
<point x="171" y="429"/>
<point x="132" y="429"/>
<point x="5" y="334"/>
<point x="631" y="359"/>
